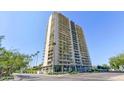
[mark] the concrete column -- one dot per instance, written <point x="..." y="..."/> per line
<point x="62" y="68"/>
<point x="75" y="68"/>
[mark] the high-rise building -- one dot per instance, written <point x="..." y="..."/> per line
<point x="65" y="46"/>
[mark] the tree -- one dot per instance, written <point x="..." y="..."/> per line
<point x="35" y="55"/>
<point x="38" y="67"/>
<point x="11" y="61"/>
<point x="1" y="37"/>
<point x="105" y="66"/>
<point x="117" y="62"/>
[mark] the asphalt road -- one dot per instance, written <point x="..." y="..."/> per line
<point x="73" y="77"/>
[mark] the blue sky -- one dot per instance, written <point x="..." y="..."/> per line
<point x="104" y="32"/>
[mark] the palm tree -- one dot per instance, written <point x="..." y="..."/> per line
<point x="33" y="55"/>
<point x="1" y="37"/>
<point x="36" y="54"/>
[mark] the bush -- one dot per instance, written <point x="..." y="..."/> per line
<point x="31" y="71"/>
<point x="73" y="72"/>
<point x="6" y="78"/>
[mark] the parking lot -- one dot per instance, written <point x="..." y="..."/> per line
<point x="71" y="77"/>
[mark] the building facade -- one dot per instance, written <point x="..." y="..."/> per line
<point x="65" y="46"/>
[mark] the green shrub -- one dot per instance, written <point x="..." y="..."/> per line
<point x="73" y="72"/>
